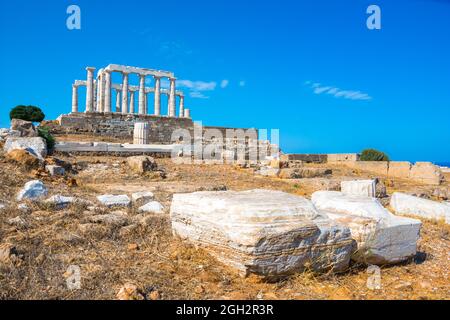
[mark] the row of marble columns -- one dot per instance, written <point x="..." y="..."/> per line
<point x="124" y="104"/>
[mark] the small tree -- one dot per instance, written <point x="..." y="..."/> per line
<point x="49" y="139"/>
<point x="27" y="113"/>
<point x="373" y="155"/>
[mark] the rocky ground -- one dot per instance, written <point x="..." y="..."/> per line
<point x="139" y="251"/>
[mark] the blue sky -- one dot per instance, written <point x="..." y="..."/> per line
<point x="309" y="68"/>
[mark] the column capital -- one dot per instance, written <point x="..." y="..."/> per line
<point x="90" y="68"/>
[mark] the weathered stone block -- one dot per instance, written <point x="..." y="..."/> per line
<point x="382" y="237"/>
<point x="427" y="173"/>
<point x="141" y="164"/>
<point x="403" y="203"/>
<point x="114" y="200"/>
<point x="398" y="169"/>
<point x="32" y="190"/>
<point x="365" y="188"/>
<point x="270" y="233"/>
<point x="37" y="146"/>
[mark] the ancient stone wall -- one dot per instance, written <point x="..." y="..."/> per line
<point x="122" y="126"/>
<point x="339" y="157"/>
<point x="421" y="172"/>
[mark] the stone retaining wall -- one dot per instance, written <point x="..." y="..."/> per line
<point x="122" y="125"/>
<point x="422" y="172"/>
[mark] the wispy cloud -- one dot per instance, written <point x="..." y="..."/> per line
<point x="224" y="83"/>
<point x="197" y="88"/>
<point x="336" y="92"/>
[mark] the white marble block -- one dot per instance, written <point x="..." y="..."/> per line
<point x="382" y="237"/>
<point x="403" y="203"/>
<point x="359" y="187"/>
<point x="270" y="233"/>
<point x="141" y="130"/>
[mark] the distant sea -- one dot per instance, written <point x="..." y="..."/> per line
<point x="443" y="164"/>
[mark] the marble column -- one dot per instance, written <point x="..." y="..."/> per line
<point x="107" y="91"/>
<point x="99" y="93"/>
<point x="181" y="107"/>
<point x="74" y="98"/>
<point x="187" y="113"/>
<point x="157" y="96"/>
<point x="172" y="98"/>
<point x="146" y="103"/>
<point x="125" y="93"/>
<point x="90" y="90"/>
<point x="118" y="100"/>
<point x="142" y="94"/>
<point x="131" y="102"/>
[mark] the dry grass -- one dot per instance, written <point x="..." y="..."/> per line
<point x="53" y="240"/>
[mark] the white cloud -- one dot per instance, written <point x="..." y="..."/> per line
<point x="336" y="92"/>
<point x="224" y="84"/>
<point x="197" y="85"/>
<point x="197" y="95"/>
<point x="196" y="88"/>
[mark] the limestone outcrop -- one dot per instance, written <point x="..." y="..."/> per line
<point x="403" y="203"/>
<point x="382" y="238"/>
<point x="266" y="232"/>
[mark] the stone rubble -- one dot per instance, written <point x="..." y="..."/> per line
<point x="141" y="164"/>
<point x="116" y="219"/>
<point x="382" y="237"/>
<point x="110" y="200"/>
<point x="142" y="197"/>
<point x="25" y="128"/>
<point x="270" y="233"/>
<point x="55" y="170"/>
<point x="152" y="207"/>
<point x="403" y="203"/>
<point x="33" y="190"/>
<point x="61" y="201"/>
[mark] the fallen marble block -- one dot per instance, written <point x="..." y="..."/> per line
<point x="32" y="190"/>
<point x="61" y="201"/>
<point x="142" y="197"/>
<point x="36" y="146"/>
<point x="359" y="187"/>
<point x="403" y="203"/>
<point x="266" y="232"/>
<point x="381" y="237"/>
<point x="152" y="207"/>
<point x="110" y="200"/>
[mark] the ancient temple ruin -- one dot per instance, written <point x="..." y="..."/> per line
<point x="99" y="92"/>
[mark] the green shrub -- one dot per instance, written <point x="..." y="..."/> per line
<point x="27" y="113"/>
<point x="373" y="155"/>
<point x="44" y="133"/>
